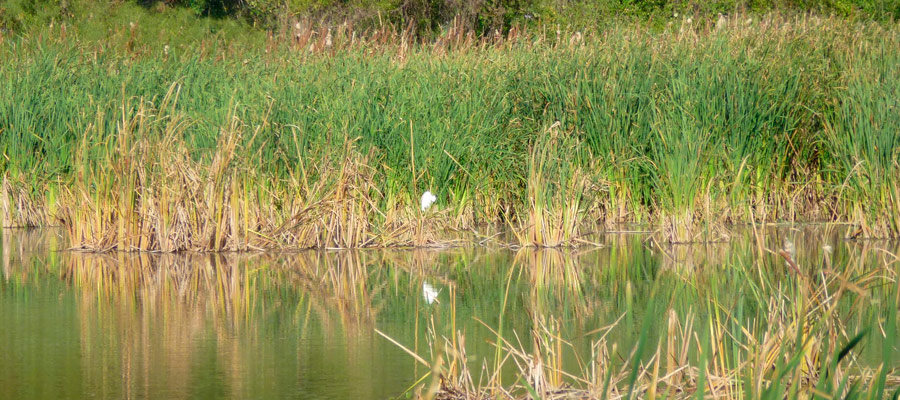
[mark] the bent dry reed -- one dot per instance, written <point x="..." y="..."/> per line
<point x="689" y="128"/>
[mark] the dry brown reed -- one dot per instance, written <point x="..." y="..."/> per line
<point x="158" y="198"/>
<point x="554" y="189"/>
<point x="20" y="207"/>
<point x="669" y="371"/>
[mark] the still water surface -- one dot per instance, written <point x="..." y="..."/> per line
<point x="303" y="325"/>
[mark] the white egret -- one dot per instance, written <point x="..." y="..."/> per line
<point x="430" y="293"/>
<point x="789" y="252"/>
<point x="827" y="249"/>
<point x="427" y="200"/>
<point x="790" y="248"/>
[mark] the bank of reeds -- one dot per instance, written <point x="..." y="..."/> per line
<point x="327" y="139"/>
<point x="862" y="134"/>
<point x="143" y="190"/>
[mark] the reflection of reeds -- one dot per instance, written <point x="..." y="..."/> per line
<point x="750" y="328"/>
<point x="555" y="279"/>
<point x="738" y="323"/>
<point x="185" y="298"/>
<point x="341" y="279"/>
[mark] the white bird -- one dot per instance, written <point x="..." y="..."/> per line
<point x="790" y="250"/>
<point x="427" y="200"/>
<point x="430" y="293"/>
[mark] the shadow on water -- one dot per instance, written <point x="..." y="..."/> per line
<point x="303" y="325"/>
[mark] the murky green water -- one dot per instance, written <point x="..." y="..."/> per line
<point x="303" y="325"/>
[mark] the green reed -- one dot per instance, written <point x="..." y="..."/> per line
<point x="689" y="127"/>
<point x="863" y="141"/>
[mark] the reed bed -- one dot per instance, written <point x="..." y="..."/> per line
<point x="157" y="197"/>
<point x="328" y="138"/>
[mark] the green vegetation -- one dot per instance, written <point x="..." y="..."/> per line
<point x="326" y="138"/>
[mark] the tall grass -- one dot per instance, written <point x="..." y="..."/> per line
<point x="554" y="189"/>
<point x="690" y="127"/>
<point x="862" y="138"/>
<point x="156" y="197"/>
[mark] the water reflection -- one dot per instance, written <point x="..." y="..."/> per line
<point x="302" y="325"/>
<point x="430" y="293"/>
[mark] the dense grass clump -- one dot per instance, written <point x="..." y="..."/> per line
<point x="690" y="128"/>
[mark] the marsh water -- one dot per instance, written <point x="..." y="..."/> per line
<point x="305" y="324"/>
